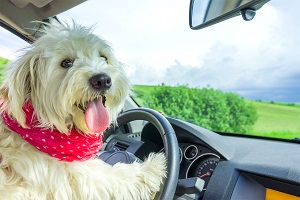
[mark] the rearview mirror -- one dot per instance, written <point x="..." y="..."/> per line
<point x="205" y="13"/>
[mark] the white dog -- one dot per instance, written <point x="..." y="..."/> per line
<point x="56" y="101"/>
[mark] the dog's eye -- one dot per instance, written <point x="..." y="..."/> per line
<point x="103" y="57"/>
<point x="67" y="63"/>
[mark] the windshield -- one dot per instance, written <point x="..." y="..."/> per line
<point x="234" y="77"/>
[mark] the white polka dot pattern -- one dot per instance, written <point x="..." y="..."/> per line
<point x="71" y="147"/>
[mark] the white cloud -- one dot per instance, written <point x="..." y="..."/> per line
<point x="154" y="37"/>
<point x="10" y="44"/>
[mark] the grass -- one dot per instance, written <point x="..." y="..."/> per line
<point x="3" y="61"/>
<point x="275" y="119"/>
<point x="280" y="120"/>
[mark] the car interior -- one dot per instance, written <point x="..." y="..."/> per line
<point x="210" y="165"/>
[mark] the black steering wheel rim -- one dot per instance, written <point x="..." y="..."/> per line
<point x="170" y="144"/>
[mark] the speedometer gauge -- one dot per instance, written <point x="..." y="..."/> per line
<point x="203" y="167"/>
<point x="206" y="168"/>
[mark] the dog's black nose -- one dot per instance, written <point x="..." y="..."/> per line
<point x="100" y="81"/>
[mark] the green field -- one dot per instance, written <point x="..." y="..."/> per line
<point x="3" y="61"/>
<point x="278" y="120"/>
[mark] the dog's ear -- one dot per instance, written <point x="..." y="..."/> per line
<point x="17" y="85"/>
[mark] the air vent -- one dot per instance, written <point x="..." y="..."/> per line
<point x="117" y="145"/>
<point x="121" y="146"/>
<point x="134" y="135"/>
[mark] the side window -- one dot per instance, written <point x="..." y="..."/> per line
<point x="9" y="46"/>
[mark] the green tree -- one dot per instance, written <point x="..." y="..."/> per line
<point x="207" y="107"/>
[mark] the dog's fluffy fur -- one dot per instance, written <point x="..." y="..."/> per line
<point x="55" y="92"/>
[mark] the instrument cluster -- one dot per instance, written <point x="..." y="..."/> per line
<point x="197" y="161"/>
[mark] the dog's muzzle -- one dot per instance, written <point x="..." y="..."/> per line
<point x="101" y="83"/>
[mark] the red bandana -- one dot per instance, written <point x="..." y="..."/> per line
<point x="71" y="147"/>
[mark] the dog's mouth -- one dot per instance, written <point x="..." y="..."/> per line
<point x="83" y="107"/>
<point x="96" y="115"/>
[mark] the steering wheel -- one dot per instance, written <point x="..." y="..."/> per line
<point x="170" y="145"/>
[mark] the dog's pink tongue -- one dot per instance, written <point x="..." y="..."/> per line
<point x="96" y="116"/>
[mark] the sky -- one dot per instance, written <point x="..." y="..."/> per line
<point x="259" y="59"/>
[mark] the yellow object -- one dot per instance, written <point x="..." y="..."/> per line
<point x="275" y="195"/>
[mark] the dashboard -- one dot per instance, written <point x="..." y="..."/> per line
<point x="232" y="167"/>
